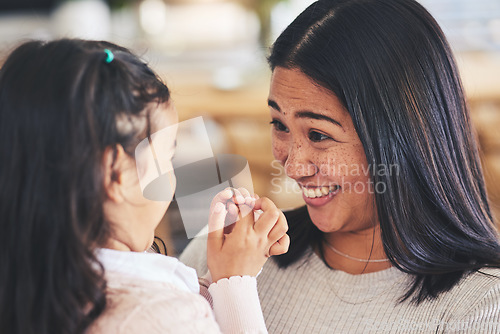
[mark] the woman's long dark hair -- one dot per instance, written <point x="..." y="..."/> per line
<point x="62" y="104"/>
<point x="390" y="65"/>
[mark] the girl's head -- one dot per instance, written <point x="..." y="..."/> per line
<point x="383" y="70"/>
<point x="71" y="115"/>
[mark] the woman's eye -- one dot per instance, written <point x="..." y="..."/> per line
<point x="315" y="136"/>
<point x="279" y="126"/>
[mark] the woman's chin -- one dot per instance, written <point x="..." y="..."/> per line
<point x="323" y="221"/>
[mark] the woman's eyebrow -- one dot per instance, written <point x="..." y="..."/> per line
<point x="313" y="115"/>
<point x="273" y="105"/>
<point x="305" y="114"/>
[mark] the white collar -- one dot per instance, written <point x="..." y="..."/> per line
<point x="150" y="267"/>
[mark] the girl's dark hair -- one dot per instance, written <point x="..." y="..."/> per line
<point x="390" y="65"/>
<point x="62" y="104"/>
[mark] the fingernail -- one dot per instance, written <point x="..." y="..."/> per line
<point x="218" y="207"/>
<point x="240" y="199"/>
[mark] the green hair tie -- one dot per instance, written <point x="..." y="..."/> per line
<point x="109" y="55"/>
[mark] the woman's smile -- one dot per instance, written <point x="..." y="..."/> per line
<point x="319" y="196"/>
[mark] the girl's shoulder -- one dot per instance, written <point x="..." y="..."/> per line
<point x="151" y="307"/>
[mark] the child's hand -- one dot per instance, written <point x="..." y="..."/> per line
<point x="246" y="248"/>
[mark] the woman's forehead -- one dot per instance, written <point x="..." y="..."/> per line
<point x="291" y="90"/>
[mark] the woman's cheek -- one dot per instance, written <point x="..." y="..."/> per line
<point x="280" y="151"/>
<point x="346" y="168"/>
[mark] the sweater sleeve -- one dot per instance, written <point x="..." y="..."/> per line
<point x="195" y="254"/>
<point x="235" y="301"/>
<point x="484" y="318"/>
<point x="236" y="305"/>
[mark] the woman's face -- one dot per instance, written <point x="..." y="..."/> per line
<point x="314" y="138"/>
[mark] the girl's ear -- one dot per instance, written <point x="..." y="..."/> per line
<point x="114" y="164"/>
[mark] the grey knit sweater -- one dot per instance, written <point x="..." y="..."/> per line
<point x="308" y="297"/>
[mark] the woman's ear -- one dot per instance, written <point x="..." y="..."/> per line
<point x="114" y="164"/>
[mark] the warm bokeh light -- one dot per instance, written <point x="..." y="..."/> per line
<point x="212" y="55"/>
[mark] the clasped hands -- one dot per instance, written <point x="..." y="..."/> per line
<point x="244" y="231"/>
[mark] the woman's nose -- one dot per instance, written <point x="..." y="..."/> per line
<point x="298" y="163"/>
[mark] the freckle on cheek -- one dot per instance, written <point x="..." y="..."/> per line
<point x="278" y="152"/>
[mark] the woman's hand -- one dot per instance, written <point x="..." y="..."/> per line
<point x="243" y="247"/>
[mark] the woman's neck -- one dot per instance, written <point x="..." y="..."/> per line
<point x="355" y="253"/>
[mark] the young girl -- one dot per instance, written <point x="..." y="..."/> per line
<point x="74" y="222"/>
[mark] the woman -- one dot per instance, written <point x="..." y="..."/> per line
<point x="75" y="224"/>
<point x="370" y="119"/>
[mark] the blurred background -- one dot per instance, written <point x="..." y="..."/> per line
<point x="212" y="55"/>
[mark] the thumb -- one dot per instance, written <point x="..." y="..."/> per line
<point x="216" y="227"/>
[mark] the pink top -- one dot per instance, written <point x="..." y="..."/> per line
<point x="153" y="293"/>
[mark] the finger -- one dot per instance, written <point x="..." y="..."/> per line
<point x="250" y="202"/>
<point x="269" y="217"/>
<point x="264" y="204"/>
<point x="247" y="208"/>
<point x="245" y="223"/>
<point x="244" y="192"/>
<point x="278" y="230"/>
<point x="238" y="198"/>
<point x="232" y="213"/>
<point x="223" y="197"/>
<point x="244" y="201"/>
<point x="281" y="246"/>
<point x="245" y="220"/>
<point x="215" y="227"/>
<point x="257" y="214"/>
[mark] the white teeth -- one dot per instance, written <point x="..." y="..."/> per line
<point x="325" y="190"/>
<point x="318" y="192"/>
<point x="305" y="191"/>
